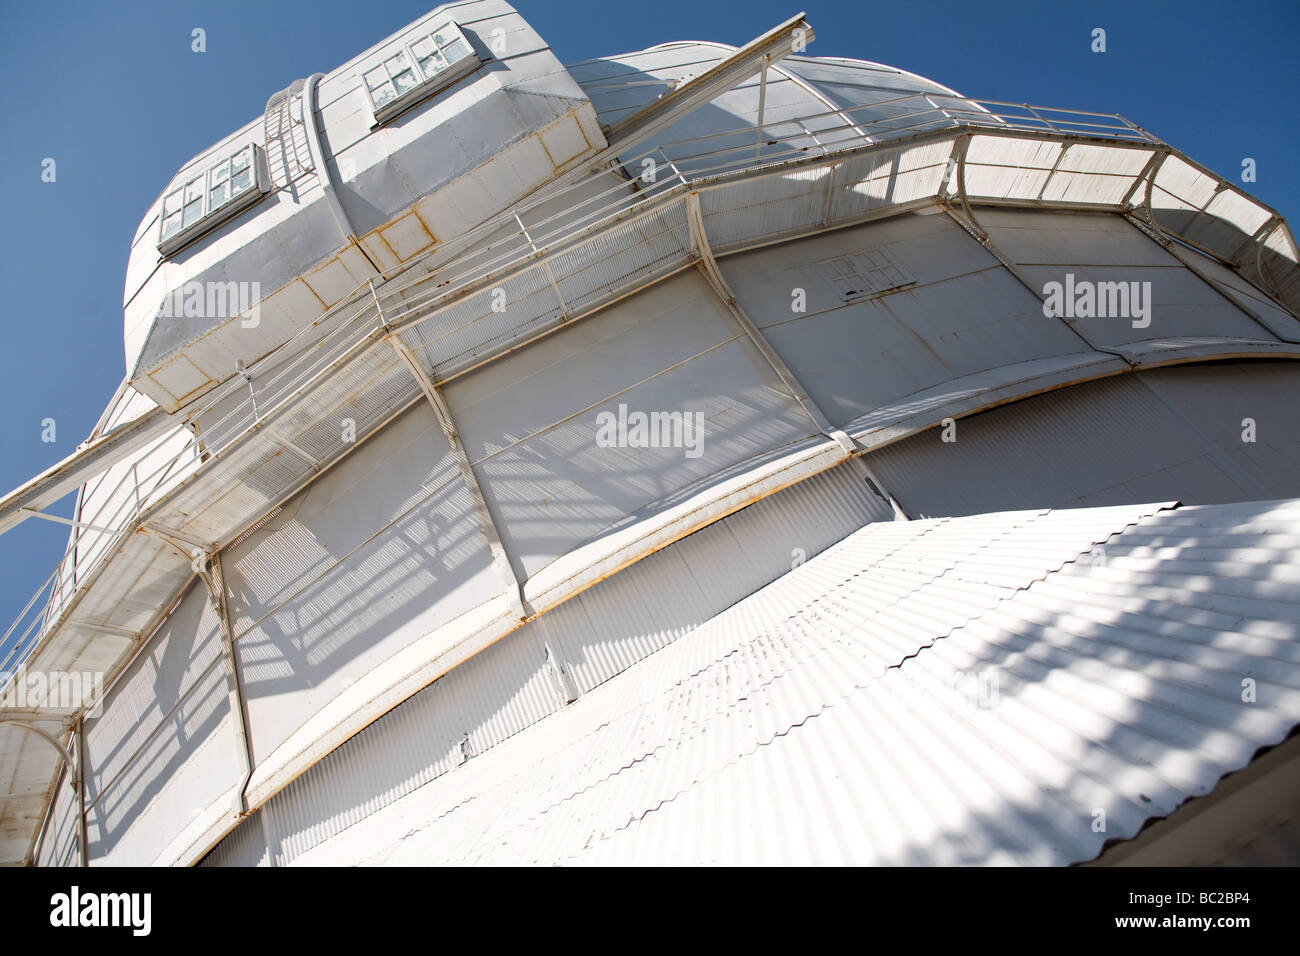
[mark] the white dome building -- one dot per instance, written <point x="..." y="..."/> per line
<point x="696" y="455"/>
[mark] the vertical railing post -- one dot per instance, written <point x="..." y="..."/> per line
<point x="83" y="842"/>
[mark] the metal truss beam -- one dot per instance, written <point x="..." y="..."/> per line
<point x="443" y="413"/>
<point x="215" y="581"/>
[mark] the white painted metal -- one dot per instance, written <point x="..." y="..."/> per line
<point x="1174" y="432"/>
<point x="594" y="637"/>
<point x="450" y="163"/>
<point x="829" y="719"/>
<point x="362" y="578"/>
<point x="164" y="745"/>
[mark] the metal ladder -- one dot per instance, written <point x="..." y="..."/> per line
<point x="284" y="125"/>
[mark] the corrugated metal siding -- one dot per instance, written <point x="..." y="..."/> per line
<point x="1012" y="687"/>
<point x="59" y="844"/>
<point x="1169" y="433"/>
<point x="1218" y="400"/>
<point x="511" y="685"/>
<point x="1252" y="818"/>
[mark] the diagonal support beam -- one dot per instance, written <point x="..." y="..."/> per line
<point x="81" y="525"/>
<point x="33" y="497"/>
<point x="1193" y="267"/>
<point x="312" y="461"/>
<point x="709" y="267"/>
<point x="181" y="542"/>
<point x="443" y="413"/>
<point x="215" y="581"/>
<point x="733" y="70"/>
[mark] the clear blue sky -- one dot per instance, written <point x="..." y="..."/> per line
<point x="114" y="94"/>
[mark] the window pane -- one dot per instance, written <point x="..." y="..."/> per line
<point x="216" y="196"/>
<point x="383" y="95"/>
<point x="172" y="203"/>
<point x="219" y="174"/>
<point x="405" y="81"/>
<point x="456" y="50"/>
<point x="376" y="78"/>
<point x="241" y="159"/>
<point x="423" y="48"/>
<point x="396" y="64"/>
<point x="433" y="64"/>
<point x="193" y="211"/>
<point x="194" y="190"/>
<point x="172" y="223"/>
<point x="241" y="181"/>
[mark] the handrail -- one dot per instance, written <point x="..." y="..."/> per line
<point x="436" y="277"/>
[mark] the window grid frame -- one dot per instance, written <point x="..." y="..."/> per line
<point x="425" y="85"/>
<point x="210" y="215"/>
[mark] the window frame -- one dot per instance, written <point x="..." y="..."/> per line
<point x="210" y="216"/>
<point x="425" y="86"/>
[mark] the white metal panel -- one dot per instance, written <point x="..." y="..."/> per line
<point x="1104" y="442"/>
<point x="1176" y="304"/>
<point x="776" y="734"/>
<point x="517" y="682"/>
<point x="546" y="478"/>
<point x="382" y="549"/>
<point x="1049" y="237"/>
<point x="964" y="314"/>
<point x="1230" y="403"/>
<point x="164" y="746"/>
<point x="1074" y="249"/>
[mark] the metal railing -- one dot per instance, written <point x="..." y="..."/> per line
<point x="404" y="293"/>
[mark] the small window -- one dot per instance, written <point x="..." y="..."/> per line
<point x="201" y="203"/>
<point x="419" y="69"/>
<point x="865" y="273"/>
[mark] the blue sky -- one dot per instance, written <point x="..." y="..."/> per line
<point x="113" y="93"/>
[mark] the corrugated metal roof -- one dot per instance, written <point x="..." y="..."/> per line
<point x="519" y="680"/>
<point x="259" y="456"/>
<point x="976" y="690"/>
